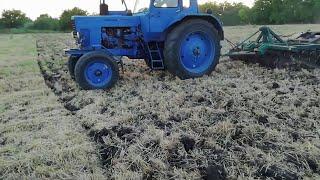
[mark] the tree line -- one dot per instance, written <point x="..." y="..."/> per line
<point x="17" y="19"/>
<point x="266" y="12"/>
<point x="263" y="12"/>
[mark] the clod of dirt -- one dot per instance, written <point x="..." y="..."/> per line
<point x="237" y="133"/>
<point x="283" y="116"/>
<point x="106" y="153"/>
<point x="163" y="125"/>
<point x="314" y="103"/>
<point x="175" y="119"/>
<point x="263" y="119"/>
<point x="87" y="126"/>
<point x="188" y="143"/>
<point x="297" y="103"/>
<point x="203" y="101"/>
<point x="313" y="165"/>
<point x="215" y="172"/>
<point x="3" y="141"/>
<point x="275" y="85"/>
<point x="178" y="118"/>
<point x="67" y="98"/>
<point x="175" y="159"/>
<point x="233" y="85"/>
<point x="295" y="136"/>
<point x="70" y="106"/>
<point x="229" y="104"/>
<point x="124" y="132"/>
<point x="98" y="135"/>
<point x="291" y="89"/>
<point x="103" y="110"/>
<point x="278" y="173"/>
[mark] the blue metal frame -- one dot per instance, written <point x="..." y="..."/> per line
<point x="151" y="26"/>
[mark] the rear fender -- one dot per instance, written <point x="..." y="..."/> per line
<point x="212" y="19"/>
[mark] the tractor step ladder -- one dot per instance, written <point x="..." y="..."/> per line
<point x="155" y="55"/>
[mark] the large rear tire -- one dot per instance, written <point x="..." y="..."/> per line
<point x="192" y="49"/>
<point x="96" y="70"/>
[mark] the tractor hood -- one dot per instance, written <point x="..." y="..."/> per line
<point x="87" y="29"/>
<point x="93" y="22"/>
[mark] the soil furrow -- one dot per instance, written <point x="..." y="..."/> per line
<point x="243" y="121"/>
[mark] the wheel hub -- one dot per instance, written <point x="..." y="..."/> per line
<point x="197" y="52"/>
<point x="98" y="74"/>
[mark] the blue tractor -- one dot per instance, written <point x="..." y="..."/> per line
<point x="168" y="34"/>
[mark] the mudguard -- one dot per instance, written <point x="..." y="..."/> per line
<point x="212" y="19"/>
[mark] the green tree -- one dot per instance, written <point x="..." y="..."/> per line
<point x="1" y="24"/>
<point x="316" y="12"/>
<point x="228" y="13"/>
<point x="46" y="22"/>
<point x="14" y="18"/>
<point x="245" y="15"/>
<point x="65" y="18"/>
<point x="285" y="11"/>
<point x="261" y="11"/>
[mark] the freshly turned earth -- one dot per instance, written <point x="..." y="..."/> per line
<point x="243" y="121"/>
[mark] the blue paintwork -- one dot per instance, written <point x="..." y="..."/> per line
<point x="98" y="74"/>
<point x="197" y="52"/>
<point x="150" y="26"/>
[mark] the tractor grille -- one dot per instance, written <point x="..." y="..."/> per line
<point x="74" y="30"/>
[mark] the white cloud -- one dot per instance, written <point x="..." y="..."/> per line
<point x="33" y="8"/>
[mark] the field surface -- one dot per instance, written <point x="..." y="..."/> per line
<point x="242" y="122"/>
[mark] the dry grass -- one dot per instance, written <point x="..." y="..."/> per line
<point x="38" y="137"/>
<point x="242" y="122"/>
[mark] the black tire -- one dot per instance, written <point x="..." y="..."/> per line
<point x="148" y="62"/>
<point x="92" y="57"/>
<point x="72" y="65"/>
<point x="173" y="43"/>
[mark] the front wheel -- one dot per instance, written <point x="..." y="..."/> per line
<point x="96" y="70"/>
<point x="192" y="49"/>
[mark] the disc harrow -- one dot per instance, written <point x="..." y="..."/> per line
<point x="270" y="50"/>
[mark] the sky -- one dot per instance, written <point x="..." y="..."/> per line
<point x="33" y="8"/>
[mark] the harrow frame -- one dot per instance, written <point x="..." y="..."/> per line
<point x="271" y="50"/>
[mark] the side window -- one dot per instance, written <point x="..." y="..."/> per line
<point x="186" y="3"/>
<point x="166" y="3"/>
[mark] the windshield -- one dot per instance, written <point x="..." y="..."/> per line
<point x="141" y="6"/>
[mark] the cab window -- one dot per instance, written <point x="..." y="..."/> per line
<point x="166" y="3"/>
<point x="186" y="3"/>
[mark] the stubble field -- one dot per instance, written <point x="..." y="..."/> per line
<point x="242" y="122"/>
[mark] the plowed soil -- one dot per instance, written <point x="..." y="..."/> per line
<point x="243" y="121"/>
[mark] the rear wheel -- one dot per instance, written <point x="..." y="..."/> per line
<point x="192" y="49"/>
<point x="96" y="71"/>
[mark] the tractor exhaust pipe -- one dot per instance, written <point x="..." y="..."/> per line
<point x="104" y="9"/>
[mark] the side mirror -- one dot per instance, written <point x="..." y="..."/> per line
<point x="209" y="11"/>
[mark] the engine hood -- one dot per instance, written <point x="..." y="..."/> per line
<point x="90" y="22"/>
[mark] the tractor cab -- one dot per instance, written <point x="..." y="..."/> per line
<point x="162" y="13"/>
<point x="144" y="6"/>
<point x="168" y="34"/>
